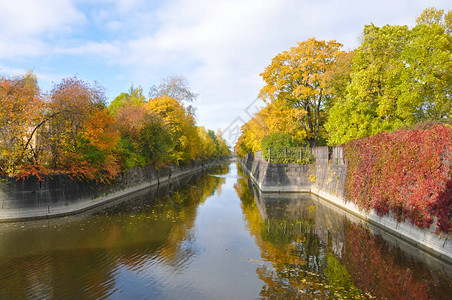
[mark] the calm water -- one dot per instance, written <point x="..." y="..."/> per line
<point x="213" y="237"/>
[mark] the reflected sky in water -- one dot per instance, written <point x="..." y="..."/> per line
<point x="212" y="237"/>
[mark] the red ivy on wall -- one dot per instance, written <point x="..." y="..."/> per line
<point x="407" y="172"/>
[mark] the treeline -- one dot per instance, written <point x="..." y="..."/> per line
<point x="72" y="130"/>
<point x="318" y="94"/>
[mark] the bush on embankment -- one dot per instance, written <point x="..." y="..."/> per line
<point x="407" y="172"/>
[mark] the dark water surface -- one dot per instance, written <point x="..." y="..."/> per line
<point x="214" y="237"/>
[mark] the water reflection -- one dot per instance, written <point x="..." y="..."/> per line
<point x="312" y="249"/>
<point x="212" y="237"/>
<point x="84" y="257"/>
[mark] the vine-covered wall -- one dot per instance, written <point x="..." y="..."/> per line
<point x="407" y="172"/>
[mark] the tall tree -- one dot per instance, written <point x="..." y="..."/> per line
<point x="145" y="139"/>
<point x="80" y="132"/>
<point x="21" y="114"/>
<point x="133" y="97"/>
<point x="373" y="91"/>
<point x="176" y="87"/>
<point x="433" y="15"/>
<point x="181" y="124"/>
<point x="207" y="145"/>
<point x="297" y="77"/>
<point x="400" y="76"/>
<point x="223" y="149"/>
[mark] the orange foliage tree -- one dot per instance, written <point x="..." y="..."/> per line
<point x="80" y="134"/>
<point x="21" y="115"/>
<point x="71" y="131"/>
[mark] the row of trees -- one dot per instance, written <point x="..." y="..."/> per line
<point x="72" y="130"/>
<point x="320" y="94"/>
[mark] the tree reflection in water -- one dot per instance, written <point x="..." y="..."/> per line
<point x="82" y="256"/>
<point x="310" y="252"/>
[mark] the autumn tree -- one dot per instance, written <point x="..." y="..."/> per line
<point x="176" y="87"/>
<point x="436" y="16"/>
<point x="399" y="77"/>
<point x="71" y="131"/>
<point x="133" y="97"/>
<point x="252" y="133"/>
<point x="297" y="77"/>
<point x="145" y="139"/>
<point x="278" y="116"/>
<point x="80" y="134"/>
<point x="21" y="115"/>
<point x="223" y="149"/>
<point x="207" y="146"/>
<point x="337" y="78"/>
<point x="181" y="124"/>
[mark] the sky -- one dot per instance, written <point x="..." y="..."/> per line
<point x="219" y="46"/>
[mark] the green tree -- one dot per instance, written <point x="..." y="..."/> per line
<point x="134" y="96"/>
<point x="426" y="79"/>
<point x="370" y="101"/>
<point x="400" y="76"/>
<point x="276" y="141"/>
<point x="145" y="139"/>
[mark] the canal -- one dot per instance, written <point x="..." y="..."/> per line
<point x="214" y="237"/>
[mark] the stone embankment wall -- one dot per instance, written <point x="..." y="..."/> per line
<point x="60" y="195"/>
<point x="328" y="182"/>
<point x="274" y="177"/>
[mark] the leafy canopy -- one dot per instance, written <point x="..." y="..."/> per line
<point x="400" y="76"/>
<point x="298" y="78"/>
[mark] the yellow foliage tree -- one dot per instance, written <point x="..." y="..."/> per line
<point x="181" y="124"/>
<point x="297" y="78"/>
<point x="277" y="116"/>
<point x="207" y="146"/>
<point x="223" y="149"/>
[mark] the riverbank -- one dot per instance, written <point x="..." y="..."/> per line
<point x="328" y="183"/>
<point x="59" y="195"/>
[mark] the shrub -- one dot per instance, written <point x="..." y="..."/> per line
<point x="276" y="140"/>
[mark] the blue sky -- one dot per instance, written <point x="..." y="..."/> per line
<point x="221" y="46"/>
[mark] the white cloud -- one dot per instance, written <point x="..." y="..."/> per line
<point x="103" y="49"/>
<point x="20" y="48"/>
<point x="29" y="17"/>
<point x="230" y="42"/>
<point x="220" y="46"/>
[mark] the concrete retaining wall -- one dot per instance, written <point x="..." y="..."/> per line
<point x="273" y="177"/>
<point x="59" y="195"/>
<point x="330" y="185"/>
